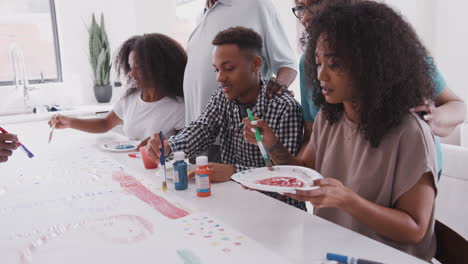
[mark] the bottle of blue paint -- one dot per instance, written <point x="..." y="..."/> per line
<point x="180" y="171"/>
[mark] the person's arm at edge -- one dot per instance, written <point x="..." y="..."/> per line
<point x="95" y="125"/>
<point x="286" y="75"/>
<point x="450" y="111"/>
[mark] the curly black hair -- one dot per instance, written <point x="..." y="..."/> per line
<point x="390" y="68"/>
<point x="161" y="59"/>
<point x="245" y="38"/>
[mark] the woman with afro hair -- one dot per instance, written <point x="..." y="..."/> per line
<point x="378" y="158"/>
<point x="154" y="65"/>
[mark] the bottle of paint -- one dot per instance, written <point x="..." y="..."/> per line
<point x="202" y="177"/>
<point x="180" y="171"/>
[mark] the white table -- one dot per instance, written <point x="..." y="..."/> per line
<point x="297" y="236"/>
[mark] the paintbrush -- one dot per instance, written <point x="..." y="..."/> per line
<point x="52" y="130"/>
<point x="19" y="144"/>
<point x="258" y="137"/>
<point x="162" y="160"/>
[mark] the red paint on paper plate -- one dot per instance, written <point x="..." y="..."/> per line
<point x="133" y="186"/>
<point x="282" y="182"/>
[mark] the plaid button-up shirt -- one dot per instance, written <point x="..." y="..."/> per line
<point x="222" y="117"/>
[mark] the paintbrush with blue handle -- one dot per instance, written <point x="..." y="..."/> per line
<point x="162" y="160"/>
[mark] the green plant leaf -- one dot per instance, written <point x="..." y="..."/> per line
<point x="101" y="67"/>
<point x="99" y="52"/>
<point x="103" y="29"/>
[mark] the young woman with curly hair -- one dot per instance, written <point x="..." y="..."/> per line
<point x="154" y="64"/>
<point x="378" y="158"/>
<point x="443" y="114"/>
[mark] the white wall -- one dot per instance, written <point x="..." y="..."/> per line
<point x="451" y="43"/>
<point x="443" y="27"/>
<point x="123" y="18"/>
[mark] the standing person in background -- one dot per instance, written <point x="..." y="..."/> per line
<point x="277" y="55"/>
<point x="443" y="114"/>
<point x="7" y="145"/>
<point x="155" y="65"/>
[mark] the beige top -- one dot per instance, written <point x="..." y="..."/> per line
<point x="380" y="175"/>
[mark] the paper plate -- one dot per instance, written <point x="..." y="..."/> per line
<point x="120" y="146"/>
<point x="282" y="179"/>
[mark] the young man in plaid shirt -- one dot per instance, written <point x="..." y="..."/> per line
<point x="237" y="61"/>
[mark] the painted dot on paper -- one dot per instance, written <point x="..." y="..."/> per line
<point x="225" y="238"/>
<point x="240" y="237"/>
<point x="222" y="229"/>
<point x="192" y="234"/>
<point x="214" y="244"/>
<point x="207" y="236"/>
<point x="227" y="250"/>
<point x="237" y="244"/>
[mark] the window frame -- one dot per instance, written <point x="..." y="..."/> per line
<point x="58" y="60"/>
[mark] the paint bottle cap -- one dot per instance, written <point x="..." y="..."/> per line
<point x="337" y="257"/>
<point x="202" y="161"/>
<point x="179" y="155"/>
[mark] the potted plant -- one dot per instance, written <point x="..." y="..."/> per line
<point x="99" y="57"/>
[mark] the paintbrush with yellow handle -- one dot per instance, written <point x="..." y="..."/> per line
<point x="162" y="160"/>
<point x="53" y="128"/>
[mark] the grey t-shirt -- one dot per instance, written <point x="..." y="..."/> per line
<point x="243" y="109"/>
<point x="380" y="175"/>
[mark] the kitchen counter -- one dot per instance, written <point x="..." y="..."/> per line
<point x="82" y="110"/>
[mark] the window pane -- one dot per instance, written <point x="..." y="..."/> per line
<point x="29" y="24"/>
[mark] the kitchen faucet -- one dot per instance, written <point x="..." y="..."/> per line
<point x="20" y="75"/>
